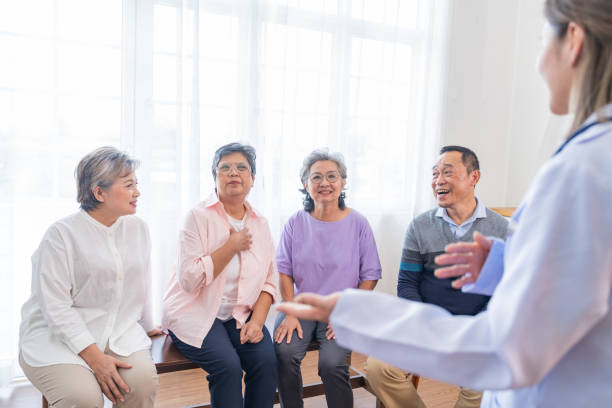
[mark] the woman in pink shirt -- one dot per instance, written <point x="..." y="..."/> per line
<point x="223" y="285"/>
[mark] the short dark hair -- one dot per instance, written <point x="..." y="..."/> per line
<point x="468" y="157"/>
<point x="247" y="150"/>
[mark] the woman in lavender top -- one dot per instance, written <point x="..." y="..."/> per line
<point x="325" y="247"/>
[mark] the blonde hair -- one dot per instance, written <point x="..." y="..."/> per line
<point x="595" y="17"/>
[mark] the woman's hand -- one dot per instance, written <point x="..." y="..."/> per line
<point x="156" y="331"/>
<point x="329" y="334"/>
<point x="466" y="259"/>
<point x="310" y="306"/>
<point x="286" y="328"/>
<point x="241" y="240"/>
<point x="104" y="368"/>
<point x="251" y="332"/>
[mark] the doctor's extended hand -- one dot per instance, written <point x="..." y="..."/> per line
<point x="310" y="306"/>
<point x="465" y="260"/>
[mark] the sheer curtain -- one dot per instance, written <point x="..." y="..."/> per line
<point x="170" y="81"/>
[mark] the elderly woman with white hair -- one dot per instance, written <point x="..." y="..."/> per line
<point x="85" y="327"/>
<point x="324" y="248"/>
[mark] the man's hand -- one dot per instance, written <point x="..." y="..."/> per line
<point x="105" y="369"/>
<point x="286" y="328"/>
<point x="466" y="260"/>
<point x="241" y="240"/>
<point x="310" y="306"/>
<point x="251" y="332"/>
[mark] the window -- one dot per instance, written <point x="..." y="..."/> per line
<point x="171" y="81"/>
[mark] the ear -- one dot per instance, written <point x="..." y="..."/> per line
<point x="575" y="37"/>
<point x="98" y="193"/>
<point x="475" y="177"/>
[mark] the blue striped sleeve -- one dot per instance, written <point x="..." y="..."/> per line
<point x="411" y="267"/>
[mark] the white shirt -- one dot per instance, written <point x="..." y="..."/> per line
<point x="459" y="230"/>
<point x="546" y="338"/>
<point x="90" y="284"/>
<point x="232" y="270"/>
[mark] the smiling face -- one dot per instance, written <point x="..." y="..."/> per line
<point x="321" y="189"/>
<point x="121" y="198"/>
<point x="234" y="178"/>
<point x="451" y="182"/>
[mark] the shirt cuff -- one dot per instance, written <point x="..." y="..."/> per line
<point x="80" y="342"/>
<point x="271" y="289"/>
<point x="208" y="269"/>
<point x="147" y="323"/>
<point x="491" y="272"/>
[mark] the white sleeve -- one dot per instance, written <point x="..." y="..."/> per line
<point x="555" y="289"/>
<point x="53" y="276"/>
<point x="146" y="320"/>
<point x="491" y="272"/>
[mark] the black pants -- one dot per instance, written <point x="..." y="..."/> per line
<point x="333" y="366"/>
<point x="224" y="358"/>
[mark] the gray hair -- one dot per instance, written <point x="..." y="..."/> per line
<point x="101" y="168"/>
<point x="312" y="158"/>
<point x="318" y="155"/>
<point x="247" y="150"/>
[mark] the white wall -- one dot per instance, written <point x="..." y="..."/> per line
<point x="495" y="103"/>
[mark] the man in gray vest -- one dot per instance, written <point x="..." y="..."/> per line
<point x="458" y="215"/>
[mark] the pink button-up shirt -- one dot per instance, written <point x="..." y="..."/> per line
<point x="193" y="295"/>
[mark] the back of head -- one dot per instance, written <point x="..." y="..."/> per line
<point x="595" y="17"/>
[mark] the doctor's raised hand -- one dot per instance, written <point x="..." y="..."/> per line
<point x="310" y="306"/>
<point x="464" y="260"/>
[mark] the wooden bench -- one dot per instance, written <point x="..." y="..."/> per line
<point x="168" y="359"/>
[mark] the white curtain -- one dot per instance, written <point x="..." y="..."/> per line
<point x="170" y="81"/>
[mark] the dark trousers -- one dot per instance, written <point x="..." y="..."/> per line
<point x="224" y="358"/>
<point x="333" y="366"/>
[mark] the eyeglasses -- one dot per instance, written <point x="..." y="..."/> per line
<point x="225" y="168"/>
<point x="317" y="178"/>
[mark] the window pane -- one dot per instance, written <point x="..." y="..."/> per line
<point x="31" y="63"/>
<point x="90" y="21"/>
<point x="27" y="17"/>
<point x="317" y="6"/>
<point x="89" y="69"/>
<point x="164" y="29"/>
<point x="399" y="13"/>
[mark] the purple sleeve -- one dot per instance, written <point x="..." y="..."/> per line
<point x="283" y="252"/>
<point x="369" y="263"/>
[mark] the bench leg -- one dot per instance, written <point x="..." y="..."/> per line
<point x="415" y="381"/>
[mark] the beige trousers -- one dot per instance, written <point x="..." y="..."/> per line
<point x="74" y="386"/>
<point x="395" y="390"/>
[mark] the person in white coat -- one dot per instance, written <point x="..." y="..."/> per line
<point x="544" y="340"/>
